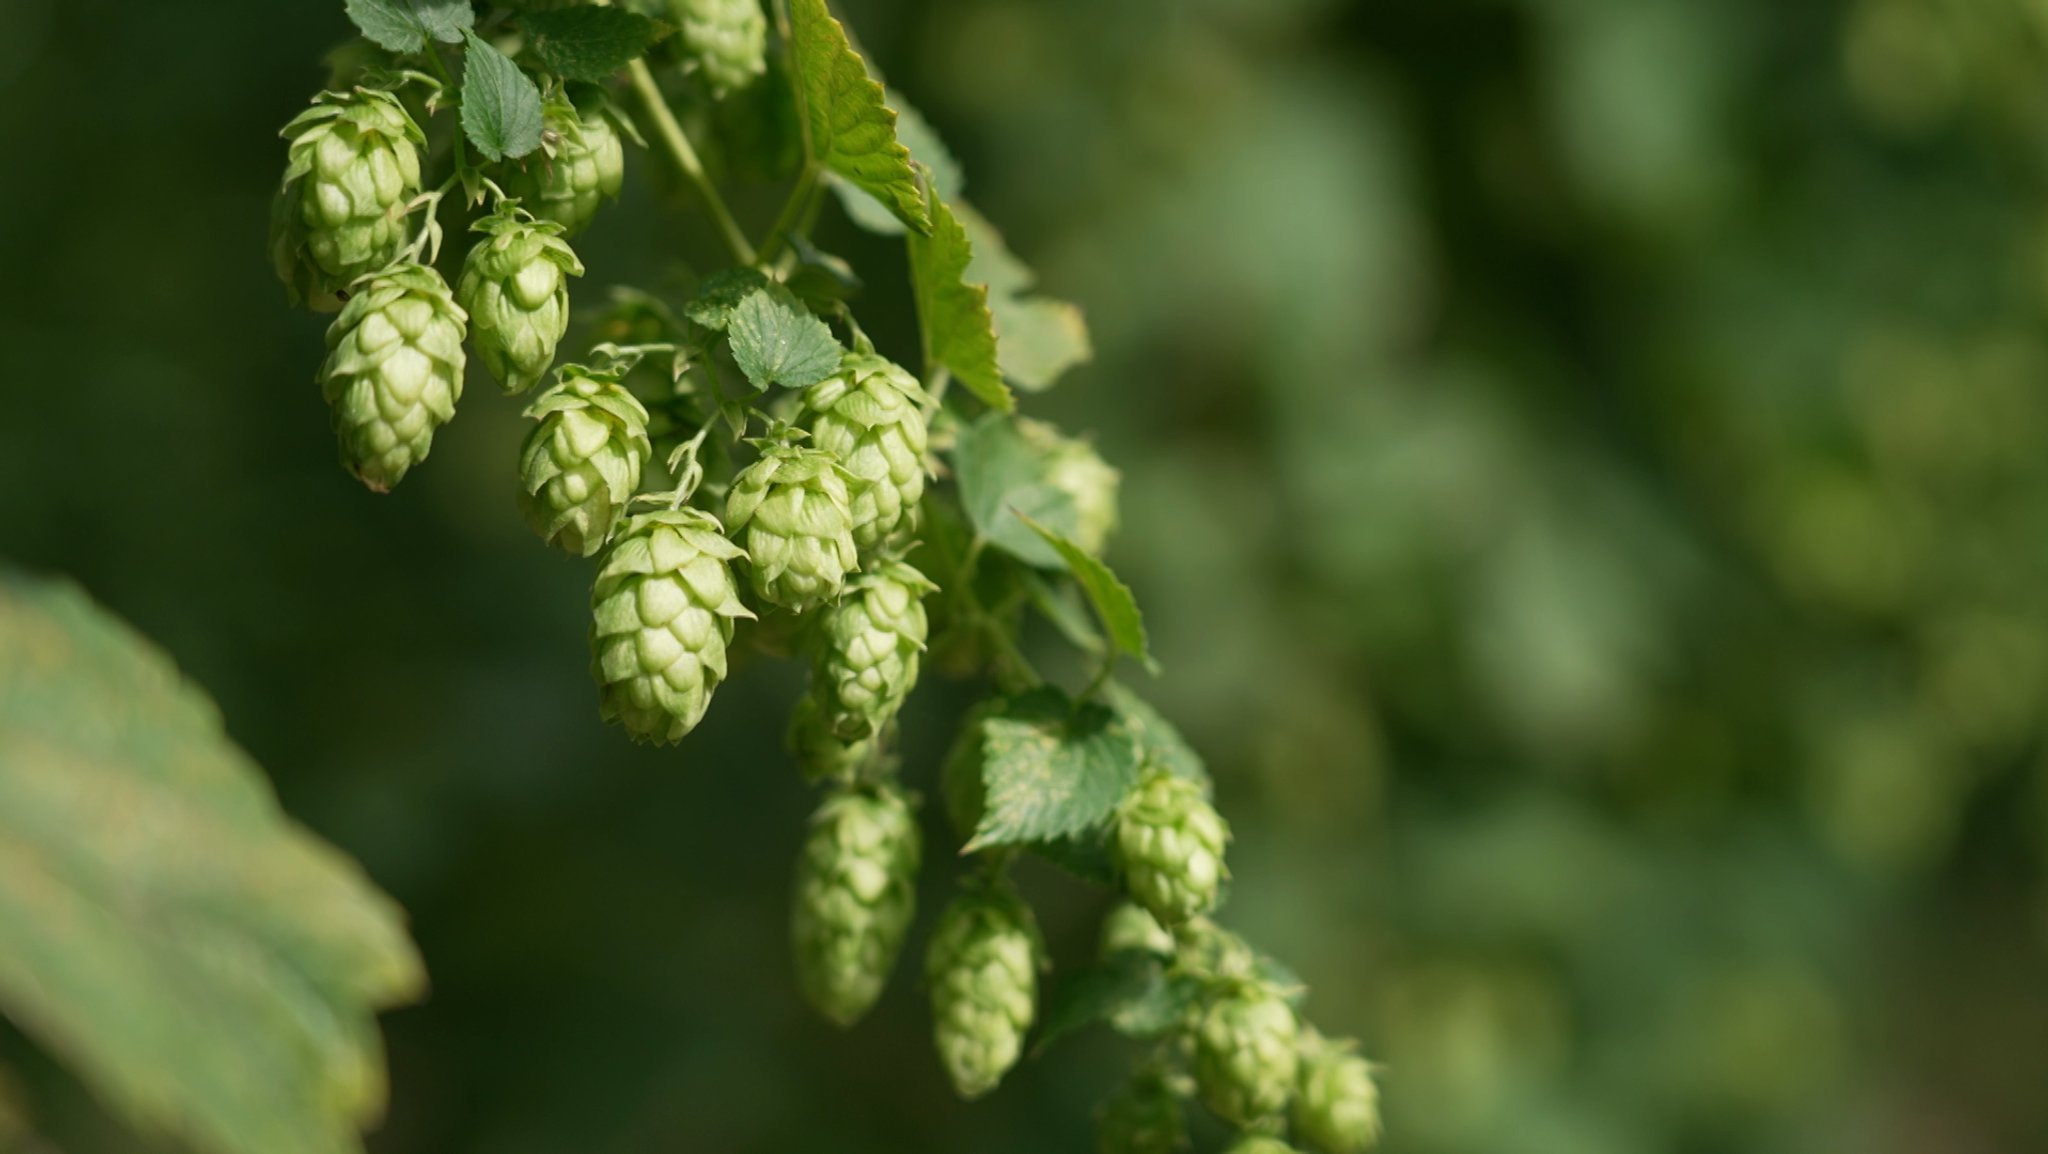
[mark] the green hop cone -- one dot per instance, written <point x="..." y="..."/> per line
<point x="352" y="168"/>
<point x="792" y="506"/>
<point x="393" y="372"/>
<point x="820" y="754"/>
<point x="581" y="163"/>
<point x="1337" y="1105"/>
<point x="726" y="40"/>
<point x="982" y="967"/>
<point x="856" y="890"/>
<point x="515" y="285"/>
<point x="1074" y="468"/>
<point x="871" y="416"/>
<point x="1245" y="1061"/>
<point x="581" y="463"/>
<point x="1259" y="1144"/>
<point x="1129" y="927"/>
<point x="662" y="616"/>
<point x="1143" y="1118"/>
<point x="869" y="641"/>
<point x="1169" y="846"/>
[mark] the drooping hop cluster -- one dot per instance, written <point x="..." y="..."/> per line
<point x="868" y="646"/>
<point x="871" y="416"/>
<point x="393" y="372"/>
<point x="515" y="285"/>
<point x="1169" y="846"/>
<point x="792" y="506"/>
<point x="982" y="967"/>
<point x="352" y="168"/>
<point x="1143" y="1118"/>
<point x="725" y="40"/>
<point x="581" y="463"/>
<point x="1337" y="1105"/>
<point x="581" y="164"/>
<point x="1074" y="468"/>
<point x="856" y="891"/>
<point x="663" y="609"/>
<point x="1245" y="1060"/>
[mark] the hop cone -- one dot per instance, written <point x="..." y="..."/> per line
<point x="792" y="506"/>
<point x="1143" y="1118"/>
<point x="856" y="889"/>
<point x="515" y="284"/>
<point x="1169" y="845"/>
<point x="1337" y="1105"/>
<point x="1074" y="467"/>
<point x="820" y="754"/>
<point x="871" y="417"/>
<point x="1259" y="1144"/>
<point x="353" y="165"/>
<point x="1245" y="1059"/>
<point x="1130" y="928"/>
<point x="583" y="163"/>
<point x="662" y="611"/>
<point x="726" y="39"/>
<point x="869" y="644"/>
<point x="982" y="967"/>
<point x="393" y="372"/>
<point x="582" y="462"/>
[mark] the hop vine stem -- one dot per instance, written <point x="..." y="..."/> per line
<point x="680" y="150"/>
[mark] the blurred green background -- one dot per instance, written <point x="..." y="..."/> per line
<point x="1584" y="466"/>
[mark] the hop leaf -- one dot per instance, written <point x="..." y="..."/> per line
<point x="871" y="416"/>
<point x="1143" y="1118"/>
<point x="515" y="286"/>
<point x="581" y="463"/>
<point x="792" y="505"/>
<point x="1169" y="847"/>
<point x="982" y="967"/>
<point x="1337" y="1106"/>
<point x="352" y="168"/>
<point x="856" y="890"/>
<point x="581" y="163"/>
<point x="393" y="372"/>
<point x="1245" y="1062"/>
<point x="868" y="653"/>
<point x="662" y="614"/>
<point x="725" y="40"/>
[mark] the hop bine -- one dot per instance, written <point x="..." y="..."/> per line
<point x="1337" y="1106"/>
<point x="352" y="168"/>
<point x="581" y="463"/>
<point x="582" y="164"/>
<point x="1245" y="1060"/>
<point x="982" y="967"/>
<point x="871" y="416"/>
<point x="727" y="40"/>
<point x="856" y="890"/>
<point x="1169" y="847"/>
<point x="515" y="286"/>
<point x="869" y="641"/>
<point x="393" y="372"/>
<point x="663" y="609"/>
<point x="792" y="507"/>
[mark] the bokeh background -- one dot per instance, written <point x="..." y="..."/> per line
<point x="1586" y="465"/>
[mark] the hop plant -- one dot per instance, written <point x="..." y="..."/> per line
<point x="515" y="285"/>
<point x="820" y="754"/>
<point x="662" y="615"/>
<point x="1129" y="927"/>
<point x="792" y="506"/>
<point x="726" y="40"/>
<point x="1337" y="1105"/>
<point x="1169" y="846"/>
<point x="1074" y="468"/>
<point x="582" y="165"/>
<point x="982" y="967"/>
<point x="393" y="372"/>
<point x="1245" y="1061"/>
<point x="856" y="889"/>
<point x="871" y="416"/>
<point x="581" y="463"/>
<point x="1143" y="1118"/>
<point x="869" y="641"/>
<point x="352" y="168"/>
<point x="1259" y="1144"/>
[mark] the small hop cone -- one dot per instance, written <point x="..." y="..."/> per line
<point x="820" y="754"/>
<point x="870" y="640"/>
<point x="352" y="168"/>
<point x="515" y="286"/>
<point x="1074" y="468"/>
<point x="581" y="463"/>
<point x="727" y="40"/>
<point x="982" y="967"/>
<point x="662" y="616"/>
<point x="1259" y="1144"/>
<point x="1144" y="1118"/>
<point x="871" y="416"/>
<point x="856" y="890"/>
<point x="1245" y="1060"/>
<point x="393" y="372"/>
<point x="792" y="507"/>
<point x="1129" y="927"/>
<point x="580" y="166"/>
<point x="1337" y="1105"/>
<point x="1169" y="846"/>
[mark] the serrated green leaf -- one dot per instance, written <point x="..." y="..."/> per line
<point x="1037" y="338"/>
<point x="720" y="293"/>
<point x="585" y="43"/>
<point x="1160" y="743"/>
<point x="1115" y="604"/>
<point x="1051" y="769"/>
<point x="926" y="151"/>
<point x="206" y="965"/>
<point x="1003" y="476"/>
<point x="1098" y="993"/>
<point x="776" y="341"/>
<point x="407" y="25"/>
<point x="501" y="107"/>
<point x="851" y="129"/>
<point x="952" y="314"/>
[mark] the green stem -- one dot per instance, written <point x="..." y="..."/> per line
<point x="787" y="221"/>
<point x="685" y="156"/>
